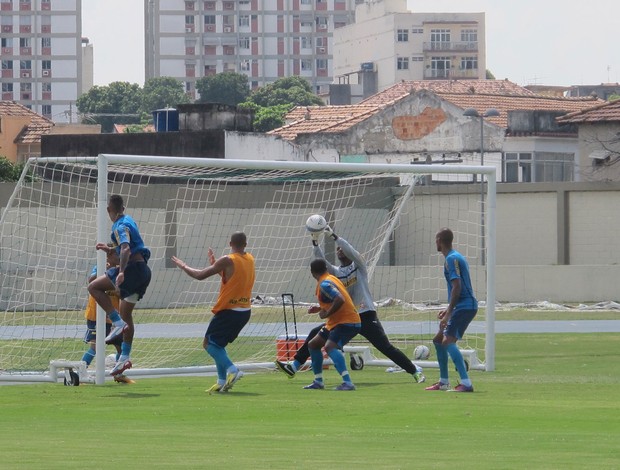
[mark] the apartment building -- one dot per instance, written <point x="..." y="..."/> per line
<point x="397" y="44"/>
<point x="264" y="39"/>
<point x="41" y="55"/>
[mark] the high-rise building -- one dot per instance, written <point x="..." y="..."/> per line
<point x="264" y="39"/>
<point x="41" y="55"/>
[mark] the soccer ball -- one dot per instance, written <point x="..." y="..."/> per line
<point x="421" y="352"/>
<point x="316" y="223"/>
<point x="110" y="360"/>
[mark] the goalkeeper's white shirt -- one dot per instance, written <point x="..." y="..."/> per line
<point x="354" y="276"/>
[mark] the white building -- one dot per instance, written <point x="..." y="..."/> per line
<point x="264" y="39"/>
<point x="41" y="55"/>
<point x="398" y="44"/>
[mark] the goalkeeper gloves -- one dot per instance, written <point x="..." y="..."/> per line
<point x="330" y="233"/>
<point x="316" y="238"/>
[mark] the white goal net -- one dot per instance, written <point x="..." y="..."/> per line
<point x="390" y="213"/>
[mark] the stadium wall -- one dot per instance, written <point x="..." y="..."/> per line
<point x="555" y="242"/>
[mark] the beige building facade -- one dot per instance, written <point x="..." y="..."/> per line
<point x="399" y="44"/>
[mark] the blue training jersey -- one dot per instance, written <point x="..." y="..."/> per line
<point x="456" y="267"/>
<point x="125" y="230"/>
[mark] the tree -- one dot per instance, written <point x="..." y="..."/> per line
<point x="118" y="102"/>
<point x="162" y="92"/>
<point x="294" y="91"/>
<point x="9" y="171"/>
<point x="229" y="88"/>
<point x="271" y="102"/>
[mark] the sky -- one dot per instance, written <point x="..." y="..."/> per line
<point x="541" y="42"/>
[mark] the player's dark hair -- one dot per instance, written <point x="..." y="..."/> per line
<point x="318" y="266"/>
<point x="117" y="203"/>
<point x="445" y="235"/>
<point x="238" y="240"/>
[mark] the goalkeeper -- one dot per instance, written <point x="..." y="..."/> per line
<point x="353" y="273"/>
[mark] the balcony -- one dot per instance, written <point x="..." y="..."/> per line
<point x="454" y="74"/>
<point x="467" y="46"/>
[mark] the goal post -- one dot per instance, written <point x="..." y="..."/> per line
<point x="183" y="206"/>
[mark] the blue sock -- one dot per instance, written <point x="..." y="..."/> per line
<point x="296" y="365"/>
<point x="125" y="349"/>
<point x="317" y="363"/>
<point x="442" y="359"/>
<point x="114" y="316"/>
<point x="220" y="357"/>
<point x="88" y="356"/>
<point x="459" y="362"/>
<point x="340" y="364"/>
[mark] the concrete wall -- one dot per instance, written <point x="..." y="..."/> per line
<point x="554" y="242"/>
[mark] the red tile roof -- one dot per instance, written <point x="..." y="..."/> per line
<point x="605" y="112"/>
<point x="478" y="94"/>
<point x="32" y="132"/>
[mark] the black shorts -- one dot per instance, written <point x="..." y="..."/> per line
<point x="226" y="325"/>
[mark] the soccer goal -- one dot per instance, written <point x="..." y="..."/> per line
<point x="183" y="206"/>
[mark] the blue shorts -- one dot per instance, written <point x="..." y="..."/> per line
<point x="459" y="321"/>
<point x="91" y="333"/>
<point x="341" y="334"/>
<point x="226" y="325"/>
<point x="137" y="279"/>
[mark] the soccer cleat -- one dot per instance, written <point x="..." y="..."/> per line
<point x="315" y="386"/>
<point x="116" y="330"/>
<point x="439" y="386"/>
<point x="121" y="366"/>
<point x="345" y="387"/>
<point x="419" y="377"/>
<point x="123" y="379"/>
<point x="462" y="388"/>
<point x="395" y="370"/>
<point x="286" y="368"/>
<point x="231" y="379"/>
<point x="214" y="389"/>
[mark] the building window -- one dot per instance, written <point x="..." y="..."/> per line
<point x="417" y="31"/>
<point x="25" y="65"/>
<point x="417" y="59"/>
<point x="402" y="63"/>
<point x="46" y="110"/>
<point x="7" y="65"/>
<point x="440" y="39"/>
<point x="402" y="35"/>
<point x="306" y="2"/>
<point x="440" y="67"/>
<point x="210" y="19"/>
<point x="244" y="66"/>
<point x="46" y="42"/>
<point x="469" y="35"/>
<point x="46" y="87"/>
<point x="321" y="23"/>
<point x="244" y="42"/>
<point x="306" y="42"/>
<point x="469" y="63"/>
<point x="244" y="20"/>
<point x="517" y="167"/>
<point x="321" y="64"/>
<point x="306" y="65"/>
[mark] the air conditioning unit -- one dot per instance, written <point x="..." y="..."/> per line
<point x="25" y="74"/>
<point x="227" y="29"/>
<point x="6" y="29"/>
<point x="46" y="73"/>
<point x="321" y="50"/>
<point x="210" y="27"/>
<point x="189" y="30"/>
<point x="323" y="26"/>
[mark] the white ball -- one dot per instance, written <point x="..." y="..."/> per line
<point x="316" y="223"/>
<point x="421" y="352"/>
<point x="110" y="360"/>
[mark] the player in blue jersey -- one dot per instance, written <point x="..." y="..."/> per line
<point x="353" y="273"/>
<point x="454" y="320"/>
<point x="130" y="278"/>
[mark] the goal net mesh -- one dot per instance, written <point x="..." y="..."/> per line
<point x="48" y="233"/>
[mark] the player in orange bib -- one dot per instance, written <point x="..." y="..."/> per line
<point x="232" y="308"/>
<point x="342" y="323"/>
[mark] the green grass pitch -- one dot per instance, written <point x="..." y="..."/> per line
<point x="552" y="403"/>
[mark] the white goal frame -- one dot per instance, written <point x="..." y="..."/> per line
<point x="488" y="237"/>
